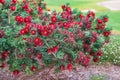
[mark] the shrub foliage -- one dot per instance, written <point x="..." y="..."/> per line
<point x="31" y="34"/>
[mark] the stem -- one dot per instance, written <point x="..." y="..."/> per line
<point x="46" y="43"/>
<point x="9" y="16"/>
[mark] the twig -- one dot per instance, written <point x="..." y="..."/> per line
<point x="9" y="16"/>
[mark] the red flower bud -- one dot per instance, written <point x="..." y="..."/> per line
<point x="39" y="56"/>
<point x="69" y="67"/>
<point x="16" y="72"/>
<point x="37" y="40"/>
<point x="13" y="8"/>
<point x="53" y="19"/>
<point x="33" y="68"/>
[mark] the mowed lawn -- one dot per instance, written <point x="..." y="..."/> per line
<point x="80" y="4"/>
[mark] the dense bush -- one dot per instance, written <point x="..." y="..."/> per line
<point x="30" y="34"/>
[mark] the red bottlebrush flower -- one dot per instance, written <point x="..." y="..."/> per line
<point x="99" y="21"/>
<point x="80" y="34"/>
<point x="77" y="60"/>
<point x="26" y="29"/>
<point x="2" y="65"/>
<point x="93" y="39"/>
<point x="27" y="19"/>
<point x="89" y="25"/>
<point x="69" y="67"/>
<point x="95" y="59"/>
<point x="25" y="7"/>
<point x="23" y="65"/>
<point x="14" y="1"/>
<point x="28" y="40"/>
<point x="86" y="61"/>
<point x="89" y="15"/>
<point x="63" y="6"/>
<point x="16" y="72"/>
<point x="62" y="67"/>
<point x="81" y="16"/>
<point x="45" y="33"/>
<point x="37" y="40"/>
<point x="106" y="33"/>
<point x="21" y="20"/>
<point x="86" y="46"/>
<point x="80" y="53"/>
<point x="102" y="27"/>
<point x="93" y="14"/>
<point x="20" y="56"/>
<point x="5" y="54"/>
<point x="68" y="9"/>
<point x="17" y="18"/>
<point x="40" y="9"/>
<point x="54" y="13"/>
<point x="55" y="49"/>
<point x="22" y="32"/>
<point x="33" y="68"/>
<point x="13" y="8"/>
<point x="2" y="2"/>
<point x="99" y="53"/>
<point x="1" y="33"/>
<point x="29" y="50"/>
<point x="50" y="50"/>
<point x="39" y="56"/>
<point x="33" y="32"/>
<point x="105" y="19"/>
<point x="41" y="43"/>
<point x="72" y="39"/>
<point x="53" y="19"/>
<point x="40" y="27"/>
<point x="28" y="25"/>
<point x="72" y="35"/>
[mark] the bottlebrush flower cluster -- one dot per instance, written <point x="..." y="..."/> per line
<point x="29" y="33"/>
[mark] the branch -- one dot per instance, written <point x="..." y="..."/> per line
<point x="9" y="16"/>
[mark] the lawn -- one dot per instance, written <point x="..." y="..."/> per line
<point x="80" y="4"/>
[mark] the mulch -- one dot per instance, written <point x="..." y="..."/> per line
<point x="111" y="72"/>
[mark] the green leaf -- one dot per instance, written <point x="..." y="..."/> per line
<point x="28" y="70"/>
<point x="60" y="55"/>
<point x="100" y="40"/>
<point x="75" y="11"/>
<point x="67" y="4"/>
<point x="24" y="14"/>
<point x="79" y="42"/>
<point x="88" y="34"/>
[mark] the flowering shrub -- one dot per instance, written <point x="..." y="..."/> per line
<point x="29" y="34"/>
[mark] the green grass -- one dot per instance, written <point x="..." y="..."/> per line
<point x="80" y="4"/>
<point x="99" y="77"/>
